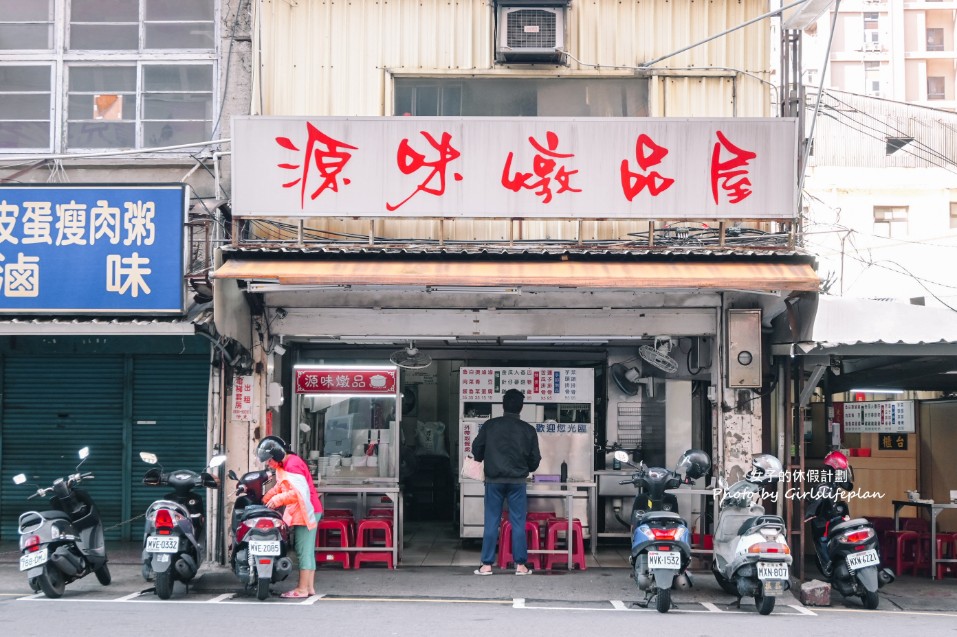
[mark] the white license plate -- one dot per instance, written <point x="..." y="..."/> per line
<point x="772" y="570"/>
<point x="862" y="559"/>
<point x="258" y="547"/>
<point x="664" y="559"/>
<point x="160" y="544"/>
<point x="31" y="560"/>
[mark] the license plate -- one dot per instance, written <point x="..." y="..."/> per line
<point x="257" y="547"/>
<point x="31" y="560"/>
<point x="862" y="559"/>
<point x="159" y="544"/>
<point x="664" y="559"/>
<point x="772" y="570"/>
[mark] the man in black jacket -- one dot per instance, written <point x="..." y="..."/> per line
<point x="509" y="448"/>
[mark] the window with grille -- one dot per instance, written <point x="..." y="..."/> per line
<point x="935" y="39"/>
<point x="890" y="221"/>
<point x="936" y="88"/>
<point x="112" y="74"/>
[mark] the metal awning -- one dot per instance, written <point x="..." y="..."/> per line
<point x="723" y="275"/>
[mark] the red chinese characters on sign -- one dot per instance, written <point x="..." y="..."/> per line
<point x="731" y="174"/>
<point x="410" y="161"/>
<point x="647" y="154"/>
<point x="543" y="166"/>
<point x="323" y="151"/>
<point x="344" y="380"/>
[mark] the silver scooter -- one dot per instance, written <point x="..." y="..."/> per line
<point x="65" y="543"/>
<point x="174" y="536"/>
<point x="751" y="553"/>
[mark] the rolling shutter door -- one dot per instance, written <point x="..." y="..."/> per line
<point x="52" y="406"/>
<point x="170" y="396"/>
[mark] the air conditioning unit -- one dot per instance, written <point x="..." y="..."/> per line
<point x="530" y="34"/>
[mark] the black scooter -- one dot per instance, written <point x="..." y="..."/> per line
<point x="174" y="538"/>
<point x="260" y="538"/>
<point x="660" y="538"/>
<point x="66" y="543"/>
<point x="846" y="550"/>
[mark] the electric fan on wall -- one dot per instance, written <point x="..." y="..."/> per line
<point x="629" y="379"/>
<point x="658" y="356"/>
<point x="411" y="358"/>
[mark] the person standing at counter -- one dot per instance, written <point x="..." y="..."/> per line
<point x="296" y="491"/>
<point x="509" y="448"/>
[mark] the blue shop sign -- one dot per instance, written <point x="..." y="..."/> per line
<point x="70" y="248"/>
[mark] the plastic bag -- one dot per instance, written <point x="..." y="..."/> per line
<point x="430" y="439"/>
<point x="473" y="469"/>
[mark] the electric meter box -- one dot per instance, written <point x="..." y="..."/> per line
<point x="744" y="348"/>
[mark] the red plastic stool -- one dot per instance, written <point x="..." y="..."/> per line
<point x="905" y="551"/>
<point x="333" y="530"/>
<point x="505" y="556"/>
<point x="576" y="538"/>
<point x="374" y="532"/>
<point x="541" y="518"/>
<point x="950" y="552"/>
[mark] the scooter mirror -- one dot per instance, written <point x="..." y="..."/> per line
<point x="84" y="453"/>
<point x="217" y="460"/>
<point x="148" y="458"/>
<point x="19" y="478"/>
<point x="622" y="456"/>
<point x="232" y="475"/>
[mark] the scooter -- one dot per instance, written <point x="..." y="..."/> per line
<point x="660" y="538"/>
<point x="174" y="538"/>
<point x="66" y="543"/>
<point x="751" y="553"/>
<point x="846" y="550"/>
<point x="260" y="538"/>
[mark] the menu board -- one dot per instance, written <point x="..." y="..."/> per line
<point x="891" y="416"/>
<point x="539" y="384"/>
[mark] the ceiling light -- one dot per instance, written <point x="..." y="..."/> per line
<point x="473" y="289"/>
<point x="877" y="391"/>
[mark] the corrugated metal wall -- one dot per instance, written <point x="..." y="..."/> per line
<point x="326" y="58"/>
<point x="853" y="130"/>
<point x="320" y="57"/>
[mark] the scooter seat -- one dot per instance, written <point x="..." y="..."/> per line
<point x="760" y="520"/>
<point x="660" y="516"/>
<point x="847" y="525"/>
<point x="55" y="515"/>
<point x="259" y="511"/>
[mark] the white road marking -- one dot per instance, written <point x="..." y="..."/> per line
<point x="711" y="607"/>
<point x="518" y="602"/>
<point x="617" y="604"/>
<point x="220" y="598"/>
<point x="802" y="610"/>
<point x="312" y="599"/>
<point x="130" y="596"/>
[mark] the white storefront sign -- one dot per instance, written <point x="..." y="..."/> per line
<point x="242" y="398"/>
<point x="647" y="168"/>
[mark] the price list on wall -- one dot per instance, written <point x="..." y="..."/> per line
<point x="893" y="416"/>
<point x="539" y="384"/>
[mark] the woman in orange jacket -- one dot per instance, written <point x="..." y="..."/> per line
<point x="296" y="492"/>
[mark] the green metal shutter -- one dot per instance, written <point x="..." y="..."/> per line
<point x="52" y="406"/>
<point x="170" y="397"/>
